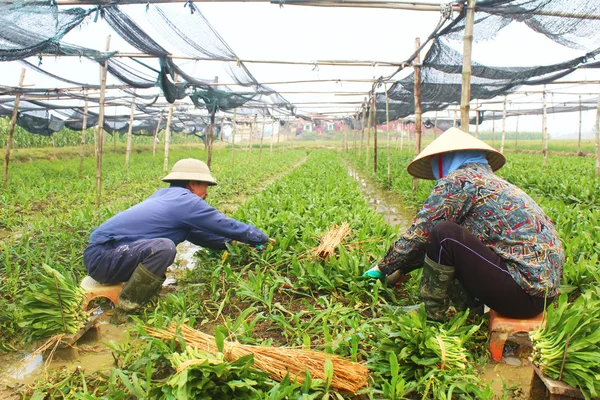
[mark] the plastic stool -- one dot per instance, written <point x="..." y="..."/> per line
<point x="502" y="327"/>
<point x="95" y="289"/>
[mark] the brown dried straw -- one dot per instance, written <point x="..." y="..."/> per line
<point x="277" y="361"/>
<point x="332" y="239"/>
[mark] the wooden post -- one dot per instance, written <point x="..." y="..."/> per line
<point x="83" y="126"/>
<point x="374" y="132"/>
<point x="465" y="98"/>
<point x="368" y="135"/>
<point x="387" y="125"/>
<point x="598" y="139"/>
<point x="262" y="134"/>
<point x="517" y="133"/>
<point x="477" y="119"/>
<point x="130" y="132"/>
<point x="252" y="127"/>
<point x="455" y="117"/>
<point x="168" y="138"/>
<point x="354" y="133"/>
<point x="103" y="73"/>
<point x="435" y="125"/>
<point x="417" y="90"/>
<point x="544" y="128"/>
<point x="362" y="127"/>
<point x="221" y="128"/>
<point x="209" y="138"/>
<point x="53" y="145"/>
<point x="345" y="128"/>
<point x="503" y="128"/>
<point x="11" y="129"/>
<point x="493" y="125"/>
<point x="233" y="131"/>
<point x="579" y="135"/>
<point x="155" y="137"/>
<point x="272" y="132"/>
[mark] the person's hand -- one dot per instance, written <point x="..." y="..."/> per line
<point x="396" y="278"/>
<point x="272" y="241"/>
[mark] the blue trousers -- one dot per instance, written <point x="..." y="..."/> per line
<point x="112" y="262"/>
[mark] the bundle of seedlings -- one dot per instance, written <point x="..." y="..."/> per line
<point x="432" y="354"/>
<point x="53" y="304"/>
<point x="567" y="347"/>
<point x="331" y="240"/>
<point x="278" y="362"/>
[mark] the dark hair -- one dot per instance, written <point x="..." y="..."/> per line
<point x="179" y="183"/>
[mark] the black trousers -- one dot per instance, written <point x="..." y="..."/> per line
<point x="481" y="271"/>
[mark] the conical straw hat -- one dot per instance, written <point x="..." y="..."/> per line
<point x="452" y="139"/>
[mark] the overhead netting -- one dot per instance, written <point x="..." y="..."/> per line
<point x="570" y="23"/>
<point x="34" y="28"/>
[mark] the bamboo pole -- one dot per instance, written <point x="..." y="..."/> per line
<point x="362" y="127"/>
<point x="493" y="125"/>
<point x="130" y="133"/>
<point x="209" y="139"/>
<point x="279" y="131"/>
<point x="252" y="128"/>
<point x="387" y="125"/>
<point x="168" y="138"/>
<point x="465" y="98"/>
<point x="272" y="132"/>
<point x="53" y="144"/>
<point x="345" y="128"/>
<point x="417" y="90"/>
<point x="155" y="137"/>
<point x="477" y="119"/>
<point x="598" y="139"/>
<point x="103" y="74"/>
<point x="579" y="134"/>
<point x="262" y="134"/>
<point x="211" y="131"/>
<point x="517" y="133"/>
<point x="354" y="133"/>
<point x="83" y="127"/>
<point x="233" y="131"/>
<point x="503" y="128"/>
<point x="374" y="132"/>
<point x="368" y="135"/>
<point x="544" y="129"/>
<point x="11" y="129"/>
<point x="435" y="125"/>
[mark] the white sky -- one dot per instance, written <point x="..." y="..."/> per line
<point x="263" y="31"/>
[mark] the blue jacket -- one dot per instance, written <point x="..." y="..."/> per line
<point x="177" y="214"/>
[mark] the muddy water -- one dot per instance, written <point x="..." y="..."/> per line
<point x="25" y="368"/>
<point x="384" y="202"/>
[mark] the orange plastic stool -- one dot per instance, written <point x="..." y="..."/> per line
<point x="502" y="327"/>
<point x="95" y="289"/>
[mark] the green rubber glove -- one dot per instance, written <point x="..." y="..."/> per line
<point x="374" y="273"/>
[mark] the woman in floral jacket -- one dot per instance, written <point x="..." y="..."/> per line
<point x="477" y="237"/>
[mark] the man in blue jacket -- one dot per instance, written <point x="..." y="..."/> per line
<point x="137" y="245"/>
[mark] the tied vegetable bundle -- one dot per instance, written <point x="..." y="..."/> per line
<point x="52" y="305"/>
<point x="567" y="347"/>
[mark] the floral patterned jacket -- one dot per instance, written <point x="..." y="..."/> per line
<point x="500" y="214"/>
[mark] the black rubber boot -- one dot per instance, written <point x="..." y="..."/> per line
<point x="141" y="287"/>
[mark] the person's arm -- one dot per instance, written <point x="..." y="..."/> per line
<point x="448" y="201"/>
<point x="202" y="217"/>
<point x="208" y="240"/>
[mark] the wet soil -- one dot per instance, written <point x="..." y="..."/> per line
<point x="23" y="368"/>
<point x="384" y="202"/>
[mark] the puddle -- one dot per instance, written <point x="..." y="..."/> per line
<point x="24" y="369"/>
<point x="384" y="202"/>
<point x="509" y="381"/>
